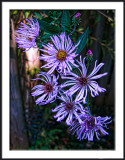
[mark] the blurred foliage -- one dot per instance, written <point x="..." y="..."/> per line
<point x="43" y="131"/>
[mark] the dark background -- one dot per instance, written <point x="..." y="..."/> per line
<point x="33" y="127"/>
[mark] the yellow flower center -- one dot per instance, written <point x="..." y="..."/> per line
<point x="61" y="55"/>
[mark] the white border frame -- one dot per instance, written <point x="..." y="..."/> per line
<point x="118" y="152"/>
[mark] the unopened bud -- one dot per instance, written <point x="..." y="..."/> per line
<point x="89" y="52"/>
<point x="78" y="14"/>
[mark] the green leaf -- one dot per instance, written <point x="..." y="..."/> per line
<point x="59" y="14"/>
<point x="54" y="13"/>
<point x="66" y="21"/>
<point x="38" y="15"/>
<point x="46" y="36"/>
<point x="15" y="12"/>
<point x="83" y="40"/>
<point x="48" y="19"/>
<point x="27" y="13"/>
<point x="49" y="28"/>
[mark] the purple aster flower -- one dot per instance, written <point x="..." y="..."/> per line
<point x="68" y="109"/>
<point x="84" y="82"/>
<point x="47" y="91"/>
<point x="77" y="15"/>
<point x="90" y="126"/>
<point x="26" y="34"/>
<point x="60" y="54"/>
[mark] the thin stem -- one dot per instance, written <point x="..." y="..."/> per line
<point x="73" y="29"/>
<point x="109" y="18"/>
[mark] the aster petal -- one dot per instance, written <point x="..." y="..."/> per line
<point x="103" y="131"/>
<point x="90" y="136"/>
<point x="72" y="74"/>
<point x="100" y="89"/>
<point x="37" y="87"/>
<point x="73" y="48"/>
<point x="65" y="77"/>
<point x="77" y="116"/>
<point x="95" y="87"/>
<point x="60" y="112"/>
<point x="62" y="98"/>
<point x="47" y="77"/>
<point x="60" y="44"/>
<point x="62" y="37"/>
<point x="97" y="135"/>
<point x="69" y="81"/>
<point x="57" y="108"/>
<point x="46" y="95"/>
<point x="98" y="76"/>
<point x="80" y="94"/>
<point x="73" y="89"/>
<point x="55" y="43"/>
<point x="82" y="64"/>
<point x="25" y="35"/>
<point x="53" y="68"/>
<point x="69" y="119"/>
<point x="69" y="44"/>
<point x="65" y="85"/>
<point x="54" y="78"/>
<point x="47" y="57"/>
<point x="93" y="91"/>
<point x="80" y="132"/>
<point x="62" y="117"/>
<point x="49" y="48"/>
<point x="37" y="92"/>
<point x="40" y="99"/>
<point x="48" y="65"/>
<point x="68" y="66"/>
<point x="84" y="98"/>
<point x="68" y="107"/>
<point x="87" y="128"/>
<point x="96" y="69"/>
<point x="80" y="106"/>
<point x="51" y="99"/>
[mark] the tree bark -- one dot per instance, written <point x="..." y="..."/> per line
<point x="18" y="138"/>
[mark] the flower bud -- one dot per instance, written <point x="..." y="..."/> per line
<point x="89" y="53"/>
<point x="78" y="14"/>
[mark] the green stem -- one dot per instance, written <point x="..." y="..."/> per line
<point x="87" y="65"/>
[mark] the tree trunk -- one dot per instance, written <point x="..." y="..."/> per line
<point x="18" y="138"/>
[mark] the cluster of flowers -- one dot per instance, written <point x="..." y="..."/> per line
<point x="61" y="54"/>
